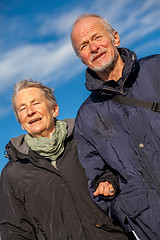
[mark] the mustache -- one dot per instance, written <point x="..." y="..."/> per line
<point x="96" y="55"/>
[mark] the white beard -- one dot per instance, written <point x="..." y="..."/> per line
<point x="108" y="66"/>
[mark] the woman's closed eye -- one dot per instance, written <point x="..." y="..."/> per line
<point x="35" y="103"/>
<point x="22" y="108"/>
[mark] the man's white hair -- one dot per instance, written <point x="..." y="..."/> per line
<point x="107" y="25"/>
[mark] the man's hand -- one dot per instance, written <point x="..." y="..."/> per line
<point x="104" y="188"/>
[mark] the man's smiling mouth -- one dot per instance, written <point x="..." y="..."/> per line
<point x="98" y="56"/>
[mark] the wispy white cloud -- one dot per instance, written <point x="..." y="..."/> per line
<point x="55" y="60"/>
<point x="38" y="61"/>
<point x="134" y="21"/>
<point x="49" y="61"/>
<point x="59" y="25"/>
<point x="38" y="46"/>
<point x="143" y="51"/>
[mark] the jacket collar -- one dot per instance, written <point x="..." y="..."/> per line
<point x="17" y="147"/>
<point x="93" y="83"/>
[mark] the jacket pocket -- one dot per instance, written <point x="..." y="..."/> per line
<point x="133" y="203"/>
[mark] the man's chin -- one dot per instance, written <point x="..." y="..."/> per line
<point x="101" y="68"/>
<point x="106" y="67"/>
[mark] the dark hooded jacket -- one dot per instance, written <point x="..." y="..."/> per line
<point x="125" y="139"/>
<point x="38" y="201"/>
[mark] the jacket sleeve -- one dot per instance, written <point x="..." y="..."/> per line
<point x="14" y="222"/>
<point x="113" y="179"/>
<point x="94" y="166"/>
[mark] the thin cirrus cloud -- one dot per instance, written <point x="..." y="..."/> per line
<point x="34" y="60"/>
<point x="35" y="44"/>
<point x="140" y="25"/>
<point x="39" y="61"/>
<point x="58" y="25"/>
<point x="133" y="20"/>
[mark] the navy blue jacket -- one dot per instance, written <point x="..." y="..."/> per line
<point x="125" y="139"/>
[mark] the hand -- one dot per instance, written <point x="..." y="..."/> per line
<point x="104" y="188"/>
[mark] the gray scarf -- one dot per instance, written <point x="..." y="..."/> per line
<point x="49" y="147"/>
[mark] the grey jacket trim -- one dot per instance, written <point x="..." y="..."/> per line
<point x="21" y="146"/>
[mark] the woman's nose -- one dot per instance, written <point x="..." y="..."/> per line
<point x="30" y="111"/>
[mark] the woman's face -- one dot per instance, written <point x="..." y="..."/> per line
<point x="36" y="115"/>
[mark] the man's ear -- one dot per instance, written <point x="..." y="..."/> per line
<point x="116" y="39"/>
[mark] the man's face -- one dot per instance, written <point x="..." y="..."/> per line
<point x="95" y="46"/>
<point x="35" y="112"/>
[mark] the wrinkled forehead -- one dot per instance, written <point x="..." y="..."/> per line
<point x="30" y="91"/>
<point x="28" y="94"/>
<point x="86" y="29"/>
<point x="86" y="23"/>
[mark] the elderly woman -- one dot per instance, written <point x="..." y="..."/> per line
<point x="44" y="193"/>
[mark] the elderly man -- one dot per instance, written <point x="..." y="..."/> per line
<point x="114" y="128"/>
<point x="43" y="188"/>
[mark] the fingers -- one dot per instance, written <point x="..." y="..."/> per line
<point x="96" y="193"/>
<point x="104" y="188"/>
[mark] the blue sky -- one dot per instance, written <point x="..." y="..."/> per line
<point x="35" y="43"/>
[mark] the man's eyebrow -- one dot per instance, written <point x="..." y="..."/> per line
<point x="84" y="42"/>
<point x="92" y="37"/>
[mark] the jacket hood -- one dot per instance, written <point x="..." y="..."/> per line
<point x="94" y="83"/>
<point x="18" y="146"/>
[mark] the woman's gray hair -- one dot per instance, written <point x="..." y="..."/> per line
<point x="47" y="92"/>
<point x="107" y="25"/>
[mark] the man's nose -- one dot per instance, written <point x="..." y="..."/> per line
<point x="93" y="47"/>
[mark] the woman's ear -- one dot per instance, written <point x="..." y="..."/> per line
<point x="55" y="111"/>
